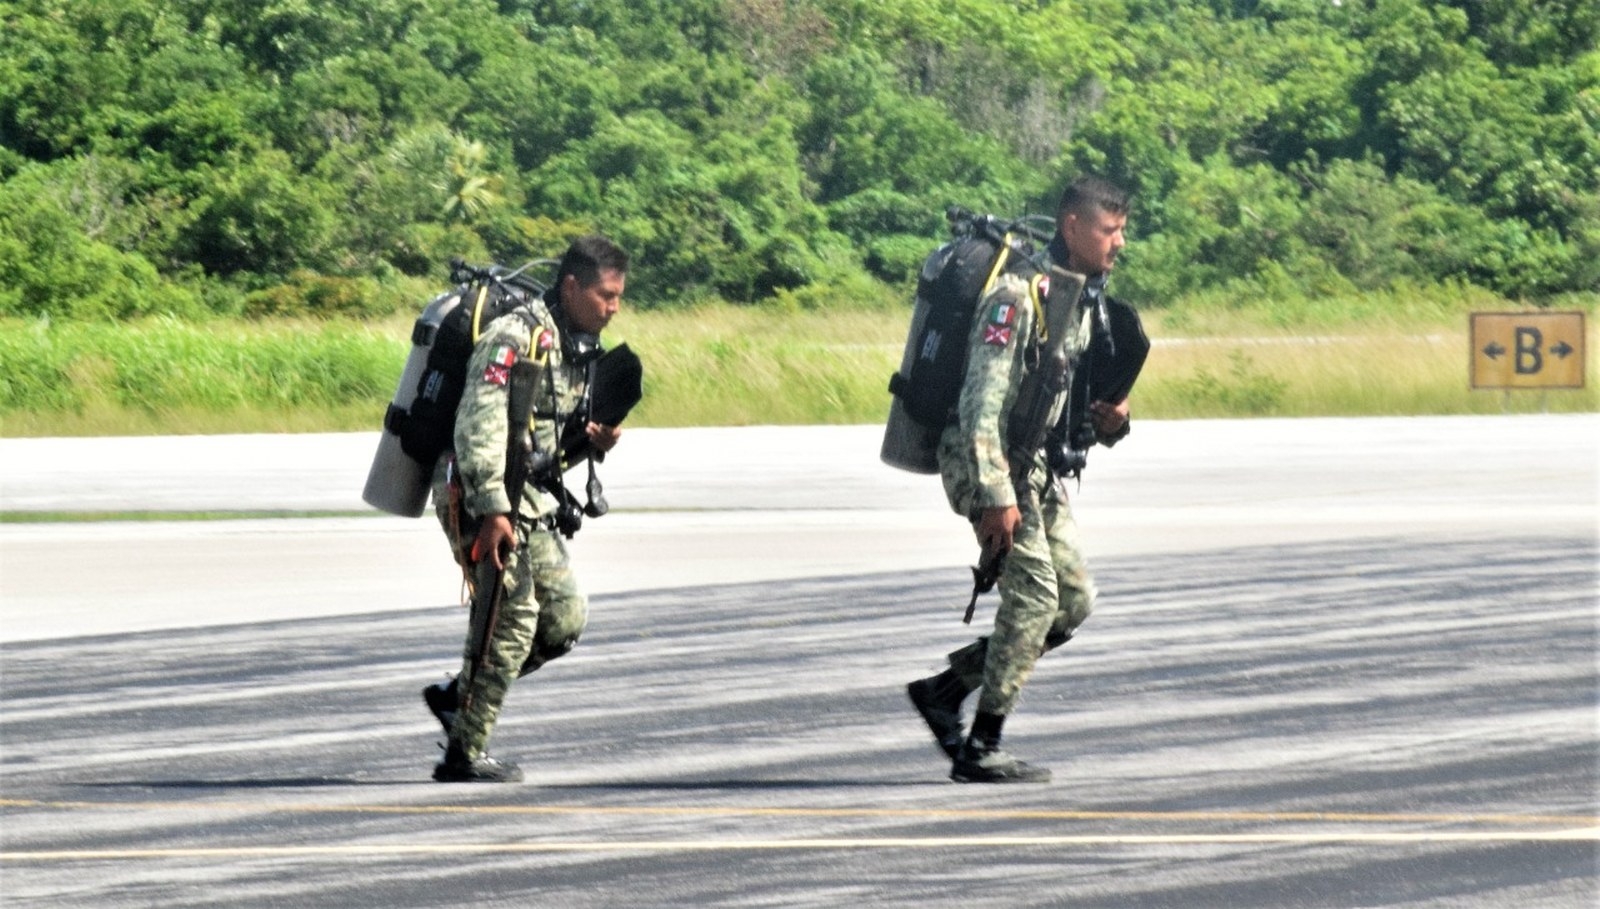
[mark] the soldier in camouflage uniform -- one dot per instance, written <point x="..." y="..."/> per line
<point x="542" y="612"/>
<point x="1016" y="503"/>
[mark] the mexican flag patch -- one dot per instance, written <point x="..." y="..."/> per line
<point x="498" y="371"/>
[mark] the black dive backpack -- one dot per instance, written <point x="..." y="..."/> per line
<point x="952" y="280"/>
<point x="447" y="330"/>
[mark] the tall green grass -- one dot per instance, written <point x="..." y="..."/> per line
<point x="1390" y="352"/>
<point x="720" y="365"/>
<point x="168" y="376"/>
<point x="726" y="366"/>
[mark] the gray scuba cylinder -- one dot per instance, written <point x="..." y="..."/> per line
<point x="907" y="444"/>
<point x="396" y="483"/>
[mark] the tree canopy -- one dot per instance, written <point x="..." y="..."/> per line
<point x="191" y="156"/>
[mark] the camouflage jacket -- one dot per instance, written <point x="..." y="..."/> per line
<point x="483" y="419"/>
<point x="975" y="454"/>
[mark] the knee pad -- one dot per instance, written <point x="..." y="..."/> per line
<point x="1055" y="639"/>
<point x="544" y="653"/>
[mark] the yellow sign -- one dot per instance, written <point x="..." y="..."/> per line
<point x="1527" y="350"/>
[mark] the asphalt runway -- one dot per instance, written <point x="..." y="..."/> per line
<point x="1336" y="663"/>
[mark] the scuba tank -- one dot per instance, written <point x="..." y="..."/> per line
<point x="954" y="278"/>
<point x="910" y="444"/>
<point x="396" y="482"/>
<point x="418" y="425"/>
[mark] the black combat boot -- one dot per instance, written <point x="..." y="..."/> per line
<point x="980" y="759"/>
<point x="938" y="699"/>
<point x="443" y="698"/>
<point x="455" y="768"/>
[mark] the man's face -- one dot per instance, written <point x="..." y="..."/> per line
<point x="1093" y="240"/>
<point x="590" y="308"/>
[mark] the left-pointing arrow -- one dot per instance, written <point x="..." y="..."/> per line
<point x="1494" y="350"/>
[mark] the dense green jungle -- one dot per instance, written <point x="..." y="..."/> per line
<point x="283" y="168"/>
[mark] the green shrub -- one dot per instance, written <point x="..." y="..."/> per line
<point x="51" y="265"/>
<point x="311" y="294"/>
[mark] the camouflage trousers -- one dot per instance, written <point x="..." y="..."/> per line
<point x="1046" y="592"/>
<point x="542" y="613"/>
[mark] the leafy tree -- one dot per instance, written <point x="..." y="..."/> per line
<point x="1380" y="230"/>
<point x="1224" y="224"/>
<point x="1529" y="34"/>
<point x="260" y="218"/>
<point x="306" y="153"/>
<point x="537" y="98"/>
<point x="51" y="267"/>
<point x="861" y="134"/>
<point x="699" y="219"/>
<point x="778" y="38"/>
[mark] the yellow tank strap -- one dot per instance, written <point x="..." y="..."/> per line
<point x="999" y="265"/>
<point x="1040" y="322"/>
<point x="477" y="312"/>
<point x="538" y="356"/>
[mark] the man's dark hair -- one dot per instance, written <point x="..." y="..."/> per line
<point x="588" y="256"/>
<point x="1090" y="193"/>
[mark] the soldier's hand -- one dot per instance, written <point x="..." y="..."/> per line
<point x="602" y="437"/>
<point x="997" y="528"/>
<point x="1109" y="418"/>
<point x="496" y="539"/>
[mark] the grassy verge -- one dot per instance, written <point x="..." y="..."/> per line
<point x="730" y="366"/>
<point x="82" y="517"/>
